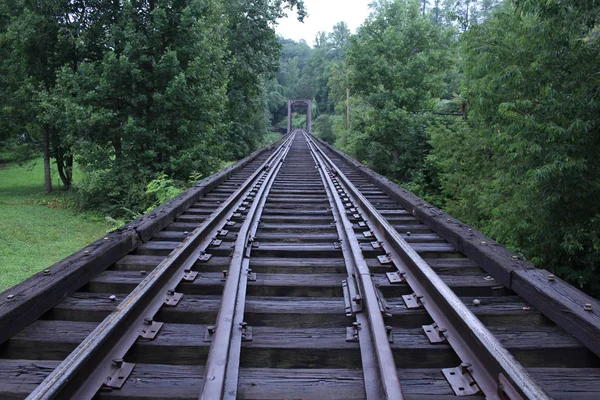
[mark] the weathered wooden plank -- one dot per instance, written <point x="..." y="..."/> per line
<point x="562" y="303"/>
<point x="154" y="381"/>
<point x="318" y="285"/>
<point x="303" y="347"/>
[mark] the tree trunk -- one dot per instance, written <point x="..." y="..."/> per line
<point x="348" y="109"/>
<point x="47" y="176"/>
<point x="396" y="156"/>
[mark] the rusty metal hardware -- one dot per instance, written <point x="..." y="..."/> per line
<point x="173" y="298"/>
<point x="119" y="373"/>
<point x="352" y="299"/>
<point x="225" y="275"/>
<point x="412" y="301"/>
<point x="384" y="258"/>
<point x="204" y="257"/>
<point x="251" y="276"/>
<point x="150" y="329"/>
<point x="189" y="275"/>
<point x="390" y="335"/>
<point x="352" y="332"/>
<point x="434" y="333"/>
<point x="210" y="332"/>
<point x="395" y="277"/>
<point x="246" y="332"/>
<point x="461" y="380"/>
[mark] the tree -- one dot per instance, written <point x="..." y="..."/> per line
<point x="396" y="63"/>
<point x="531" y="82"/>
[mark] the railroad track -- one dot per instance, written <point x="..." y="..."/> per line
<point x="297" y="274"/>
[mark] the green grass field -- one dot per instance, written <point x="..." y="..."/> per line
<point x="36" y="229"/>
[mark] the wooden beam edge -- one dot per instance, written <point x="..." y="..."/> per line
<point x="25" y="302"/>
<point x="564" y="307"/>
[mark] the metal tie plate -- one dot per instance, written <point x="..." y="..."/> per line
<point x="362" y="224"/>
<point x="150" y="329"/>
<point x="216" y="242"/>
<point x="356" y="216"/>
<point x="434" y="333"/>
<point x="173" y="298"/>
<point x="461" y="380"/>
<point x="118" y="375"/>
<point x="223" y="232"/>
<point x="204" y="257"/>
<point x="395" y="277"/>
<point x="376" y="245"/>
<point x="230" y="223"/>
<point x="412" y="301"/>
<point x="368" y="234"/>
<point x="384" y="258"/>
<point x="189" y="275"/>
<point x="352" y="332"/>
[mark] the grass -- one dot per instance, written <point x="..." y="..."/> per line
<point x="37" y="229"/>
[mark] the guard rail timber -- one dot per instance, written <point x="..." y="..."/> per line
<point x="26" y="302"/>
<point x="568" y="307"/>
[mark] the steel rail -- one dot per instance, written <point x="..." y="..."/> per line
<point x="222" y="366"/>
<point x="379" y="367"/>
<point x="84" y="371"/>
<point x="495" y="371"/>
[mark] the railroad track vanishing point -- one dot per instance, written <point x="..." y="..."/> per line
<point x="297" y="274"/>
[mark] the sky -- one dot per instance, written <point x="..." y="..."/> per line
<point x="322" y="16"/>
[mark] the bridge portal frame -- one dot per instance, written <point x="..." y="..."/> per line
<point x="300" y="102"/>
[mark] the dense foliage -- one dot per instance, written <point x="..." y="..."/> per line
<point x="136" y="90"/>
<point x="490" y="111"/>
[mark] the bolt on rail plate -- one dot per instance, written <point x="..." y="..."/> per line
<point x="210" y="333"/>
<point x="461" y="380"/>
<point x="150" y="330"/>
<point x="368" y="234"/>
<point x="223" y="232"/>
<point x="362" y="224"/>
<point x="173" y="298"/>
<point x="118" y="375"/>
<point x="216" y="242"/>
<point x="189" y="275"/>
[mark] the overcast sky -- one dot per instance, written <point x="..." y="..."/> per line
<point x="322" y="16"/>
